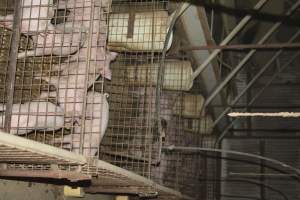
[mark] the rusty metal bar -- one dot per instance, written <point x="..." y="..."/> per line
<point x="242" y="47"/>
<point x="57" y="174"/>
<point x="12" y="66"/>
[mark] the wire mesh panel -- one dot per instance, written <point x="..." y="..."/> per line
<point x="61" y="95"/>
<point x="136" y="135"/>
<point x="61" y="56"/>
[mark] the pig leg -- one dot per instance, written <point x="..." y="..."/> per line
<point x="30" y="53"/>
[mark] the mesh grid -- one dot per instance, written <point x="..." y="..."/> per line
<point x="61" y="95"/>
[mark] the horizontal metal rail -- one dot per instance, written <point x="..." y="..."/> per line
<point x="243" y="47"/>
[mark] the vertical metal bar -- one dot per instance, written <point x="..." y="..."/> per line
<point x="248" y="98"/>
<point x="248" y="56"/>
<point x="257" y="95"/>
<point x="12" y="66"/>
<point x="231" y="35"/>
<point x="255" y="78"/>
<point x="262" y="144"/>
<point x="86" y="79"/>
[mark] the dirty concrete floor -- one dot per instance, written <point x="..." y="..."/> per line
<point x="19" y="190"/>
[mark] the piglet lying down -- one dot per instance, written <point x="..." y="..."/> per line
<point x="30" y="116"/>
<point x="93" y="127"/>
<point x="60" y="40"/>
<point x="35" y="16"/>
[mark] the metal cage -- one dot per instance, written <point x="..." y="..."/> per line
<point x="56" y="58"/>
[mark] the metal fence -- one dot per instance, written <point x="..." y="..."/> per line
<point x="63" y="84"/>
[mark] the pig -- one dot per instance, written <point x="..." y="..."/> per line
<point x="101" y="56"/>
<point x="36" y="16"/>
<point x="72" y="85"/>
<point x="32" y="116"/>
<point x="69" y="94"/>
<point x="100" y="60"/>
<point x="95" y="125"/>
<point x="73" y="4"/>
<point x="147" y="97"/>
<point x="159" y="170"/>
<point x="90" y="15"/>
<point x="60" y="40"/>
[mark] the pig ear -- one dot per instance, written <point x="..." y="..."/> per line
<point x="106" y="95"/>
<point x="113" y="55"/>
<point x="106" y="73"/>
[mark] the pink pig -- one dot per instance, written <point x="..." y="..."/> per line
<point x="36" y="15"/>
<point x="95" y="125"/>
<point x="60" y="40"/>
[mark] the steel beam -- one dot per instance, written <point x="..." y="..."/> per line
<point x="267" y="130"/>
<point x="220" y="138"/>
<point x="233" y="33"/>
<point x="255" y="78"/>
<point x="265" y="136"/>
<point x="248" y="56"/>
<point x="260" y="174"/>
<point x="243" y="47"/>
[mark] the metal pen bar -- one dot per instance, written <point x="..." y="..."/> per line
<point x="231" y="35"/>
<point x="255" y="78"/>
<point x="243" y="47"/>
<point x="220" y="138"/>
<point x="248" y="56"/>
<point x="261" y="174"/>
<point x="12" y="66"/>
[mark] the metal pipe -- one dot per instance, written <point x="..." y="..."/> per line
<point x="261" y="174"/>
<point x="242" y="47"/>
<point x="249" y="155"/>
<point x="267" y="130"/>
<point x="255" y="78"/>
<point x="231" y="35"/>
<point x="12" y="66"/>
<point x="264" y="114"/>
<point x="220" y="138"/>
<point x="248" y="56"/>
